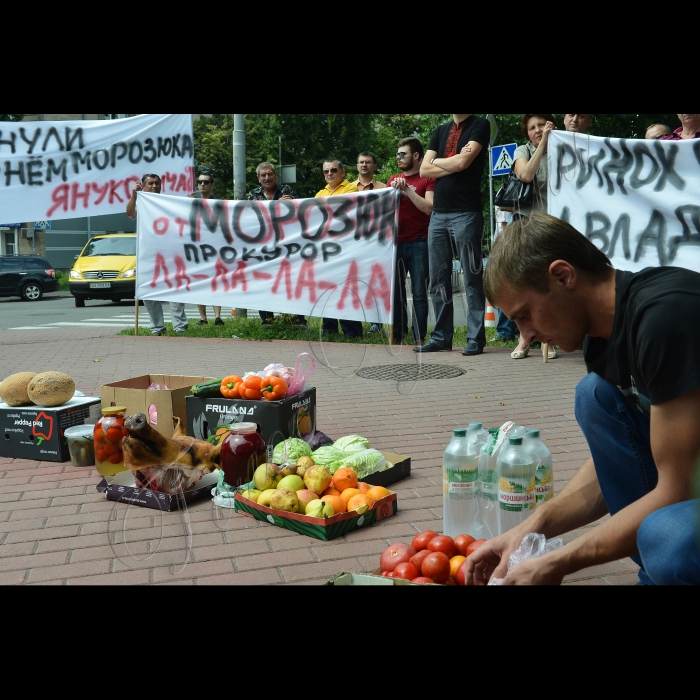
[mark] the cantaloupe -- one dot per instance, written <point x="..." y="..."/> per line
<point x="13" y="390"/>
<point x="51" y="389"/>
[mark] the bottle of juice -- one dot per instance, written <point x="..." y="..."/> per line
<point x="544" y="487"/>
<point x="242" y="452"/>
<point x="460" y="474"/>
<point x="516" y="485"/>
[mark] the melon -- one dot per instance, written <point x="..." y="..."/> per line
<point x="51" y="389"/>
<point x="13" y="390"/>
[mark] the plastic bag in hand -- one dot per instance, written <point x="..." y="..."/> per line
<point x="301" y="375"/>
<point x="533" y="545"/>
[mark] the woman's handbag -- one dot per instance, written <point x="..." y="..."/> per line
<point x="515" y="193"/>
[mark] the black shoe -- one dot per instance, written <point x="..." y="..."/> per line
<point x="268" y="322"/>
<point x="202" y="323"/>
<point x="472" y="349"/>
<point x="217" y="322"/>
<point x="431" y="347"/>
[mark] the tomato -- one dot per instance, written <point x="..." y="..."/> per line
<point x="110" y="450"/>
<point x="422" y="579"/>
<point x="444" y="544"/>
<point x="474" y="546"/>
<point x="460" y="575"/>
<point x="114" y="435"/>
<point x="397" y="553"/>
<point x="450" y="582"/>
<point x="437" y="567"/>
<point x="116" y="459"/>
<point x="386" y="573"/>
<point x="406" y="571"/>
<point x="101" y="456"/>
<point x="421" y="540"/>
<point x="417" y="559"/>
<point x="462" y="542"/>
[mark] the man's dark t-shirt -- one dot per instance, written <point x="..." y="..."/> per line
<point x="461" y="191"/>
<point x="652" y="353"/>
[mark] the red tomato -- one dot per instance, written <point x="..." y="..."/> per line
<point x="450" y="582"/>
<point x="444" y="544"/>
<point x="398" y="553"/>
<point x="474" y="546"/>
<point x="421" y="540"/>
<point x="114" y="435"/>
<point x="116" y="459"/>
<point x="462" y="542"/>
<point x="406" y="571"/>
<point x="460" y="576"/>
<point x="417" y="559"/>
<point x="437" y="567"/>
<point x="422" y="579"/>
<point x="386" y="573"/>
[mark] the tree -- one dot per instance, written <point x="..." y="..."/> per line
<point x="11" y="117"/>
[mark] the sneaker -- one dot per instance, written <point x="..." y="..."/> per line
<point x="218" y="322"/>
<point x="179" y="332"/>
<point x="156" y="333"/>
<point x="375" y="328"/>
<point x="202" y="323"/>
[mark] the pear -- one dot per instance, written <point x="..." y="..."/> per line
<point x="293" y="482"/>
<point x="319" y="509"/>
<point x="288" y="470"/>
<point x="251" y="494"/>
<point x="285" y="499"/>
<point x="265" y="476"/>
<point x="264" y="497"/>
<point x="317" y="479"/>
<point x="305" y="462"/>
<point x="301" y="471"/>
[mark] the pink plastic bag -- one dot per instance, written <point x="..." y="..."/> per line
<point x="301" y="376"/>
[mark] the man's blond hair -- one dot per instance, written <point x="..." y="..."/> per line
<point x="524" y="250"/>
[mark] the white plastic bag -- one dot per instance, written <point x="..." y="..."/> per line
<point x="533" y="545"/>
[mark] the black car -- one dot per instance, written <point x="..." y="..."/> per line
<point x="26" y="276"/>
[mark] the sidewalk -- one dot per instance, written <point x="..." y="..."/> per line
<point x="55" y="528"/>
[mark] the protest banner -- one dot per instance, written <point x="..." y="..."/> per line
<point x="637" y="200"/>
<point x="67" y="169"/>
<point x="328" y="256"/>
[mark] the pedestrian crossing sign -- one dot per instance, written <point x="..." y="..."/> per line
<point x="502" y="159"/>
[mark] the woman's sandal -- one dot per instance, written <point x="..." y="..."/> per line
<point x="520" y="354"/>
<point x="552" y="354"/>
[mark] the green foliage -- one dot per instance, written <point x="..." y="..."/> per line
<point x="11" y="117"/>
<point x="62" y="279"/>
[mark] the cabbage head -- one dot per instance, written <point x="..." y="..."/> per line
<point x="352" y="443"/>
<point x="362" y="463"/>
<point x="326" y="455"/>
<point x="295" y="448"/>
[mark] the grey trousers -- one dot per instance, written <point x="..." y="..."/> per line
<point x="155" y="311"/>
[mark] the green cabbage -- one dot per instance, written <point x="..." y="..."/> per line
<point x="295" y="448"/>
<point x="362" y="463"/>
<point x="350" y="444"/>
<point x="327" y="454"/>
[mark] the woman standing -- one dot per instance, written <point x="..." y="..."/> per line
<point x="530" y="165"/>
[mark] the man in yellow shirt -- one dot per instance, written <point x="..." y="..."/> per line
<point x="334" y="172"/>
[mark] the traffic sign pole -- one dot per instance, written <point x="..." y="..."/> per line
<point x="491" y="212"/>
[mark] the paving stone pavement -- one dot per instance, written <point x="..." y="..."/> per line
<point x="56" y="529"/>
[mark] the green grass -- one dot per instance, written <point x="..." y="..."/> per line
<point x="62" y="278"/>
<point x="251" y="329"/>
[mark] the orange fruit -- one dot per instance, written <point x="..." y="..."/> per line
<point x="364" y="487"/>
<point x="358" y="500"/>
<point x="345" y="478"/>
<point x="348" y="494"/>
<point x="337" y="502"/>
<point x="455" y="563"/>
<point x="377" y="492"/>
<point x="330" y="491"/>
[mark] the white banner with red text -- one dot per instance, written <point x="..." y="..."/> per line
<point x="67" y="169"/>
<point x="637" y="200"/>
<point x="328" y="256"/>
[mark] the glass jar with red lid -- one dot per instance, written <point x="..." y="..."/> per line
<point x="108" y="434"/>
<point x="242" y="452"/>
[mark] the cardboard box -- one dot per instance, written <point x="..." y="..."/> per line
<point x="277" y="420"/>
<point x="134" y="394"/>
<point x="351" y="578"/>
<point x="36" y="432"/>
<point x="401" y="470"/>
<point x="122" y="489"/>
<point x="320" y="528"/>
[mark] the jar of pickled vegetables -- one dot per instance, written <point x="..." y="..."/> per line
<point x="108" y="434"/>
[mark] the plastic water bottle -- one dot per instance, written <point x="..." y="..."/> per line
<point x="477" y="436"/>
<point x="460" y="474"/>
<point x="488" y="487"/>
<point x="516" y="485"/>
<point x="542" y="457"/>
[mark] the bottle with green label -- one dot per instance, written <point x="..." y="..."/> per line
<point x="544" y="488"/>
<point x="516" y="485"/>
<point x="488" y="486"/>
<point x="460" y="474"/>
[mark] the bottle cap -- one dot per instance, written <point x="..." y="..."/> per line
<point x="243" y="428"/>
<point x="493" y="431"/>
<point x="516" y="440"/>
<point x="533" y="433"/>
<point x="113" y="410"/>
<point x="476" y="426"/>
<point x="460" y="432"/>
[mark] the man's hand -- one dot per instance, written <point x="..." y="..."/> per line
<point x="286" y="196"/>
<point x="399" y="183"/>
<point x="491" y="559"/>
<point x="138" y="187"/>
<point x="541" y="571"/>
<point x="465" y="150"/>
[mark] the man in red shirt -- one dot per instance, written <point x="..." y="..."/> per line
<point x="412" y="251"/>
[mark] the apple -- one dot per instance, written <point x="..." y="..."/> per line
<point x="305" y="497"/>
<point x="292" y="481"/>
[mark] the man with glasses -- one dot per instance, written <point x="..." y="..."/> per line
<point x="656" y="131"/>
<point x="205" y="190"/>
<point x="269" y="191"/>
<point x="412" y="250"/>
<point x="367" y="167"/>
<point x="152" y="183"/>
<point x="456" y="158"/>
<point x="334" y="172"/>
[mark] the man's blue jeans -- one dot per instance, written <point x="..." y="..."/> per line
<point x="619" y="440"/>
<point x="506" y="329"/>
<point x="411" y="258"/>
<point x="456" y="235"/>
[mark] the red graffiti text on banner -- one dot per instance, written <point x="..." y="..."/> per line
<point x="286" y="272"/>
<point x="350" y="287"/>
<point x="181" y="274"/>
<point x="160" y="265"/>
<point x="379" y="287"/>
